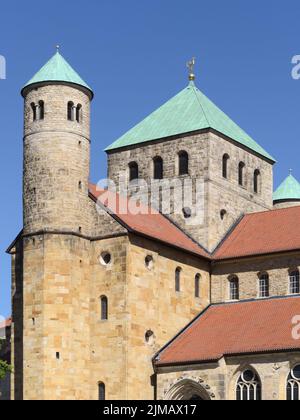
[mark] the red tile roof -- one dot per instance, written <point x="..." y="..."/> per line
<point x="263" y="233"/>
<point x="148" y="222"/>
<point x="236" y="328"/>
<point x="6" y="323"/>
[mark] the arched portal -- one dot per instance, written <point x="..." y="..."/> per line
<point x="187" y="389"/>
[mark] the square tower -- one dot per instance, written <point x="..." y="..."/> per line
<point x="210" y="168"/>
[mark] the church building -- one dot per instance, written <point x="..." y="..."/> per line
<point x="191" y="295"/>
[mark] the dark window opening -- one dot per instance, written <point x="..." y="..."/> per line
<point x="256" y="179"/>
<point x="70" y="111"/>
<point x="158" y="167"/>
<point x="241" y="174"/>
<point x="101" y="391"/>
<point x="104" y="308"/>
<point x="197" y="285"/>
<point x="41" y="110"/>
<point x="177" y="279"/>
<point x="78" y="113"/>
<point x="225" y="166"/>
<point x="183" y="163"/>
<point x="133" y="171"/>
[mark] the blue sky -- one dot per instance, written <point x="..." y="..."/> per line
<point x="133" y="54"/>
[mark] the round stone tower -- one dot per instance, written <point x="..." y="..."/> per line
<point x="56" y="150"/>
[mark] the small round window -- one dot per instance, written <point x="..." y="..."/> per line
<point x="248" y="376"/>
<point x="105" y="258"/>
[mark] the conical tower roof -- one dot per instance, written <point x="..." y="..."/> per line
<point x="57" y="69"/>
<point x="288" y="190"/>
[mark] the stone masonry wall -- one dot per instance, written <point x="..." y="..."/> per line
<point x="205" y="152"/>
<point x="227" y="194"/>
<point x="248" y="271"/>
<point x="154" y="305"/>
<point x="56" y="327"/>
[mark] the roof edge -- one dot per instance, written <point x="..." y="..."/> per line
<point x="26" y="89"/>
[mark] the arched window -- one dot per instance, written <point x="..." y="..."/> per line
<point x="248" y="387"/>
<point x="294" y="279"/>
<point x="225" y="166"/>
<point x="263" y="289"/>
<point x="101" y="391"/>
<point x="234" y="292"/>
<point x="133" y="171"/>
<point x="256" y="181"/>
<point x="177" y="279"/>
<point x="158" y="168"/>
<point x="78" y="113"/>
<point x="241" y="174"/>
<point x="41" y="110"/>
<point x="183" y="158"/>
<point x="293" y="385"/>
<point x="197" y="285"/>
<point x="104" y="308"/>
<point x="34" y="113"/>
<point x="71" y="111"/>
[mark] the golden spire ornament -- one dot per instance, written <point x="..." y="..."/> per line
<point x="191" y="66"/>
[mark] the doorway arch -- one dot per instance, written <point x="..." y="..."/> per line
<point x="187" y="389"/>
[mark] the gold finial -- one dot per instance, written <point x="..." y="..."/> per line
<point x="191" y="65"/>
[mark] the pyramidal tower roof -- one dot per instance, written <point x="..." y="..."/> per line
<point x="288" y="190"/>
<point x="189" y="111"/>
<point x="57" y="69"/>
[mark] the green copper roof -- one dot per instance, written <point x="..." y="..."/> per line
<point x="288" y="190"/>
<point x="190" y="110"/>
<point x="57" y="69"/>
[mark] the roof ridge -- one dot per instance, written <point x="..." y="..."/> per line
<point x="196" y="90"/>
<point x="273" y="210"/>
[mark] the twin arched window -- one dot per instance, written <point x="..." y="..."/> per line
<point x="158" y="168"/>
<point x="38" y="110"/>
<point x="248" y="386"/>
<point x="104" y="308"/>
<point x="294" y="280"/>
<point x="234" y="288"/>
<point x="74" y="112"/>
<point x="183" y="158"/>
